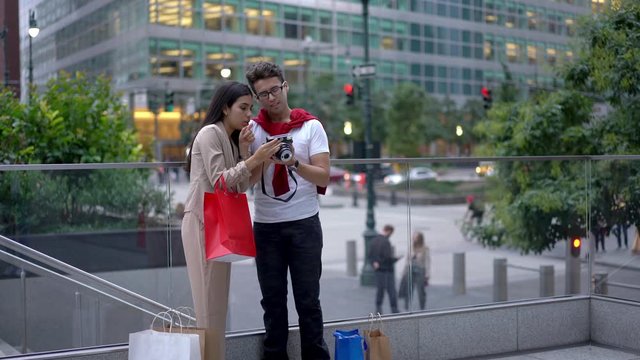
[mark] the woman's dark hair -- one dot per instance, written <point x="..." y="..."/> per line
<point x="225" y="95"/>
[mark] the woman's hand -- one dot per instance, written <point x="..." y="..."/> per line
<point x="267" y="150"/>
<point x="245" y="140"/>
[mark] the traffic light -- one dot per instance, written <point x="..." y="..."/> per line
<point x="576" y="243"/>
<point x="486" y="97"/>
<point x="348" y="91"/>
<point x="168" y="101"/>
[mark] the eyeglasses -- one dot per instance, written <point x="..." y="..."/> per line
<point x="275" y="91"/>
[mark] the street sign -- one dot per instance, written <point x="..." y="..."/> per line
<point x="364" y="70"/>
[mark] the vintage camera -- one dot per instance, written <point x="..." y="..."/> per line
<point x="285" y="153"/>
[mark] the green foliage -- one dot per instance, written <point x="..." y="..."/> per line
<point x="74" y="120"/>
<point x="540" y="203"/>
<point x="406" y="120"/>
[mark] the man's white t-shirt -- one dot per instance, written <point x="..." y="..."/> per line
<point x="308" y="140"/>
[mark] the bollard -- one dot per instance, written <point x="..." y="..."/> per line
<point x="352" y="266"/>
<point x="393" y="199"/>
<point x="572" y="273"/>
<point x="459" y="285"/>
<point x="499" y="280"/>
<point x="600" y="286"/>
<point x="354" y="196"/>
<point x="547" y="281"/>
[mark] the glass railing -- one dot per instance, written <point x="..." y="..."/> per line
<point x="121" y="222"/>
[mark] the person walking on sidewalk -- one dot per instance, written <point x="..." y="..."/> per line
<point x="419" y="266"/>
<point x="287" y="229"/>
<point x="217" y="151"/>
<point x="383" y="261"/>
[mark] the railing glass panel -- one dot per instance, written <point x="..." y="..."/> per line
<point x="122" y="224"/>
<point x="614" y="235"/>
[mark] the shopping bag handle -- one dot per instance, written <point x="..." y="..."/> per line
<point x="156" y="316"/>
<point x="373" y="320"/>
<point x="189" y="312"/>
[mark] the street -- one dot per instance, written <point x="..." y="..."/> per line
<point x="343" y="297"/>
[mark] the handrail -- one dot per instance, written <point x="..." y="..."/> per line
<point x="408" y="161"/>
<point x="101" y="285"/>
<point x="37" y="269"/>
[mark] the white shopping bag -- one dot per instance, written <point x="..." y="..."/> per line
<point x="156" y="345"/>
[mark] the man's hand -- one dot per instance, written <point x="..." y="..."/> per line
<point x="376" y="265"/>
<point x="291" y="160"/>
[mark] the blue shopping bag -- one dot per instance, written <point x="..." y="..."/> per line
<point x="349" y="345"/>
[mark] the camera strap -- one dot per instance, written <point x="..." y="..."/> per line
<point x="264" y="191"/>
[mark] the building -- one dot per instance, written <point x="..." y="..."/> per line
<point x="152" y="47"/>
<point x="10" y="51"/>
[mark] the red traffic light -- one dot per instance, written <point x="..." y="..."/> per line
<point x="348" y="89"/>
<point x="486" y="93"/>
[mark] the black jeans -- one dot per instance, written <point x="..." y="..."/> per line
<point x="385" y="281"/>
<point x="297" y="246"/>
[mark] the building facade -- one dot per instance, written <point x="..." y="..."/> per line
<point x="449" y="47"/>
<point x="10" y="50"/>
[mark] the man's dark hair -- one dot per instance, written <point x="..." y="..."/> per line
<point x="263" y="70"/>
<point x="388" y="228"/>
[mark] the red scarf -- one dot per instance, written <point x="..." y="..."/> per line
<point x="298" y="117"/>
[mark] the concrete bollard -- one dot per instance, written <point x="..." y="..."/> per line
<point x="352" y="264"/>
<point x="572" y="273"/>
<point x="354" y="196"/>
<point x="547" y="281"/>
<point x="459" y="282"/>
<point x="499" y="280"/>
<point x="600" y="286"/>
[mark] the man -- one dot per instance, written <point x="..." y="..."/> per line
<point x="383" y="261"/>
<point x="287" y="228"/>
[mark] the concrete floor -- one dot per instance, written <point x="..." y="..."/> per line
<point x="585" y="352"/>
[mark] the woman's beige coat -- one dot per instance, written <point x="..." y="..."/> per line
<point x="213" y="155"/>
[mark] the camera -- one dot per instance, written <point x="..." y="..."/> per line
<point x="285" y="153"/>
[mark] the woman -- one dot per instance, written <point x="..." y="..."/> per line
<point x="220" y="149"/>
<point x="419" y="265"/>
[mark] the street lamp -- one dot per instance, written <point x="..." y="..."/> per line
<point x="33" y="32"/>
<point x="3" y="36"/>
<point x="368" y="277"/>
<point x="308" y="40"/>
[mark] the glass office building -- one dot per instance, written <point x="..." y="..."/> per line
<point x="449" y="47"/>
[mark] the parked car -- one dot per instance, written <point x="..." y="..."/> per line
<point x="416" y="173"/>
<point x="485" y="168"/>
<point x="337" y="174"/>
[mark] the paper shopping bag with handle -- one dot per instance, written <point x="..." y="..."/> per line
<point x="185" y="317"/>
<point x="377" y="343"/>
<point x="349" y="345"/>
<point x="158" y="345"/>
<point x="227" y="225"/>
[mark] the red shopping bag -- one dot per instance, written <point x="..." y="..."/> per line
<point x="227" y="226"/>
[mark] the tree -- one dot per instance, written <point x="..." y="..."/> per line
<point x="74" y="120"/>
<point x="537" y="204"/>
<point x="406" y="121"/>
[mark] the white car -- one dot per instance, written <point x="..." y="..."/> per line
<point x="417" y="173"/>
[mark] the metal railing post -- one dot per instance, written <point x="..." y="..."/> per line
<point x="23" y="282"/>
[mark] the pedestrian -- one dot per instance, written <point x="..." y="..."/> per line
<point x="219" y="149"/>
<point x="416" y="272"/>
<point x="286" y="226"/>
<point x="383" y="263"/>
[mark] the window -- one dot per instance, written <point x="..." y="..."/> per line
<point x="512" y="50"/>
